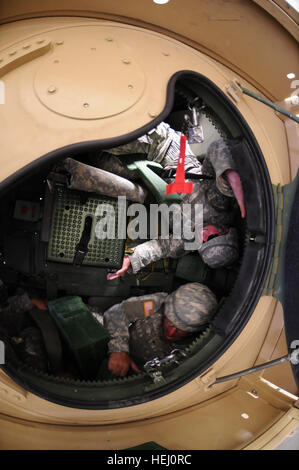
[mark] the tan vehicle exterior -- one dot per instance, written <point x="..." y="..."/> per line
<point x="130" y="50"/>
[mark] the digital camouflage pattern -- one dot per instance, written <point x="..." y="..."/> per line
<point x="94" y="180"/>
<point x="20" y="303"/>
<point x="30" y="348"/>
<point x="217" y="161"/>
<point x="112" y="163"/>
<point x="118" y="318"/>
<point x="221" y="251"/>
<point x="192" y="306"/>
<point x="161" y="145"/>
<point x="13" y="313"/>
<point x="147" y="341"/>
<point x="218" y="209"/>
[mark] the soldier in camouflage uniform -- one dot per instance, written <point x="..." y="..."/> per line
<point x="94" y="180"/>
<point x="161" y="145"/>
<point x="153" y="325"/>
<point x="218" y="196"/>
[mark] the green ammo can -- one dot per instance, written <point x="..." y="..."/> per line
<point x="84" y="336"/>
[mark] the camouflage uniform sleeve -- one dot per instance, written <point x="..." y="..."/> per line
<point x="161" y="145"/>
<point x="169" y="153"/>
<point x="220" y="157"/>
<point x="153" y="250"/>
<point x="118" y="318"/>
<point x="151" y="144"/>
<point x="142" y="145"/>
<point x="117" y="324"/>
<point x="174" y="246"/>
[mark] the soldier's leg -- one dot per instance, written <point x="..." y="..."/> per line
<point x="112" y="163"/>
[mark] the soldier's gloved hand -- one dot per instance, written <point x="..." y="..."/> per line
<point x="121" y="271"/>
<point x="236" y="185"/>
<point x="120" y="362"/>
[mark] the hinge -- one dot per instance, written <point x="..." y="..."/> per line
<point x="207" y="379"/>
<point x="283" y="200"/>
<point x="234" y="91"/>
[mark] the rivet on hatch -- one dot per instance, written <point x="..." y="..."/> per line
<point x="152" y="114"/>
<point x="59" y="43"/>
<point x="86" y="105"/>
<point x="40" y="41"/>
<point x="26" y="46"/>
<point x="130" y="86"/>
<point x="52" y="89"/>
<point x="109" y="39"/>
<point x="167" y="54"/>
<point x="126" y="61"/>
<point x="12" y="53"/>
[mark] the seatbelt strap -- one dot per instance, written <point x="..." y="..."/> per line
<point x="196" y="176"/>
<point x="51" y="338"/>
<point x="82" y="247"/>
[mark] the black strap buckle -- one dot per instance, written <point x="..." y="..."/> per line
<point x="82" y="247"/>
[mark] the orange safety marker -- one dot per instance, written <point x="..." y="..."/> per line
<point x="180" y="185"/>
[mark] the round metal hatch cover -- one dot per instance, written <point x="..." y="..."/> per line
<point x="92" y="80"/>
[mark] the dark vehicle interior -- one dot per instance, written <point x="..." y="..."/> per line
<point x="55" y="345"/>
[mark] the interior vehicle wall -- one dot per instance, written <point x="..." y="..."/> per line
<point x="218" y="28"/>
<point x="28" y="120"/>
<point x="276" y="155"/>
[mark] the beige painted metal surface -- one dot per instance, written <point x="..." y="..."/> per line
<point x="202" y="428"/>
<point x="283" y="12"/>
<point x="238" y="33"/>
<point x="38" y="106"/>
<point x="83" y="62"/>
<point x="99" y="63"/>
<point x="240" y="355"/>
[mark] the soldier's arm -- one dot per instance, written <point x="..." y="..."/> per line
<point x="172" y="247"/>
<point x="117" y="320"/>
<point x="154" y="250"/>
<point x="147" y="253"/>
<point x="236" y="185"/>
<point x="147" y="144"/>
<point x="117" y="324"/>
<point x="227" y="178"/>
<point x="120" y="362"/>
<point x="161" y="145"/>
<point x="185" y="224"/>
<point x="141" y="145"/>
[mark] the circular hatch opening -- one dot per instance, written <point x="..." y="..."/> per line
<point x="28" y="230"/>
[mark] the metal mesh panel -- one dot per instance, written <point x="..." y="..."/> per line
<point x="68" y="219"/>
